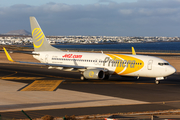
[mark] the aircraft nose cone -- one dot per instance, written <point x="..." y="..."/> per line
<point x="172" y="70"/>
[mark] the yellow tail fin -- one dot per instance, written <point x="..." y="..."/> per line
<point x="7" y="55"/>
<point x="40" y="42"/>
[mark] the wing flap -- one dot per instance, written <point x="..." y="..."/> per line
<point x="56" y="65"/>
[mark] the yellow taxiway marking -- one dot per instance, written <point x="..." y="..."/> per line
<point x="43" y="85"/>
<point x="9" y="74"/>
<point x="21" y="78"/>
<point x="35" y="74"/>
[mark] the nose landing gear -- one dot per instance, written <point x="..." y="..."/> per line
<point x="157" y="82"/>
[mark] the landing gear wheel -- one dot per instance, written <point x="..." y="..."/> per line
<point x="106" y="77"/>
<point x="83" y="78"/>
<point x="157" y="82"/>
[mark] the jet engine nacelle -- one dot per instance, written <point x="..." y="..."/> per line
<point x="94" y="74"/>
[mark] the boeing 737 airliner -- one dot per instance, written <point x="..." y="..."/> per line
<point x="95" y="65"/>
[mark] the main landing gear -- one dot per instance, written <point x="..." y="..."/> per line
<point x="82" y="77"/>
<point x="106" y="77"/>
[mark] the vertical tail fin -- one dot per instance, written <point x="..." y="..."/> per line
<point x="40" y="42"/>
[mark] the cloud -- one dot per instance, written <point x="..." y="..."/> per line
<point x="126" y="11"/>
<point x="142" y="18"/>
<point x="53" y="7"/>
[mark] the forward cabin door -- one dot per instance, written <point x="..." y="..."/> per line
<point x="150" y="62"/>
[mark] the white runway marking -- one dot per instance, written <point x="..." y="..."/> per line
<point x="13" y="100"/>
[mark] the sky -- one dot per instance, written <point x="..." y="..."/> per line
<point x="69" y="2"/>
<point x="94" y="17"/>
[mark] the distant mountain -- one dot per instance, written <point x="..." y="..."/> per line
<point x="18" y="32"/>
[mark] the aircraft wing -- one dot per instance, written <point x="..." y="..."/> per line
<point x="51" y="64"/>
<point x="55" y="65"/>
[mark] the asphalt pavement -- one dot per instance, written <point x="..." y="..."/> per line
<point x="76" y="97"/>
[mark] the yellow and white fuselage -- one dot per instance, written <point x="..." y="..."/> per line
<point x="121" y="64"/>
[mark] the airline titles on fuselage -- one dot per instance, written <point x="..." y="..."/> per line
<point x="106" y="62"/>
<point x="71" y="56"/>
<point x="120" y="63"/>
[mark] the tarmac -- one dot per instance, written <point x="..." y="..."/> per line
<point x="13" y="96"/>
<point x="13" y="100"/>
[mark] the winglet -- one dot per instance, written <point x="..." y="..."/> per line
<point x="7" y="55"/>
<point x="133" y="51"/>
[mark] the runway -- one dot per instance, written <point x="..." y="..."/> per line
<point x="76" y="97"/>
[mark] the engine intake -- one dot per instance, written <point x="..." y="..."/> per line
<point x="94" y="74"/>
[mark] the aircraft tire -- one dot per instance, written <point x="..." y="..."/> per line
<point x="83" y="78"/>
<point x="157" y="82"/>
<point x="106" y="77"/>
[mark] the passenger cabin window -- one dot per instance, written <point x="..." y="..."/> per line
<point x="161" y="64"/>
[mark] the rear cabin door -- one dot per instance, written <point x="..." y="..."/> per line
<point x="46" y="58"/>
<point x="150" y="62"/>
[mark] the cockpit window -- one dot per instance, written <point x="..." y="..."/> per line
<point x="163" y="64"/>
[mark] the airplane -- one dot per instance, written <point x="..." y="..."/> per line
<point x="95" y="65"/>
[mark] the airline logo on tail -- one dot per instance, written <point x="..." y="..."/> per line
<point x="38" y="37"/>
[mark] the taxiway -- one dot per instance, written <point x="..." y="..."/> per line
<point x="76" y="97"/>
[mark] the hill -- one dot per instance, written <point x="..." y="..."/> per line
<point x="18" y="32"/>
